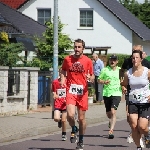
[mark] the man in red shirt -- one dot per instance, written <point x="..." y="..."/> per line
<point x="77" y="69"/>
<point x="59" y="96"/>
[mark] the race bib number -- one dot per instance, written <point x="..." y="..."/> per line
<point x="76" y="89"/>
<point x="136" y="96"/>
<point x="61" y="93"/>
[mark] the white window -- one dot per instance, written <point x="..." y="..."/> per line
<point x="86" y="18"/>
<point x="43" y="15"/>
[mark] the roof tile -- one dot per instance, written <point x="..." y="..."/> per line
<point x="13" y="3"/>
<point x="20" y="23"/>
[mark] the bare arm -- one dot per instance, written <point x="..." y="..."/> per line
<point x="149" y="80"/>
<point x="124" y="83"/>
<point x="149" y="75"/>
<point x="63" y="77"/>
<point x="103" y="81"/>
<point x="92" y="78"/>
<point x="55" y="95"/>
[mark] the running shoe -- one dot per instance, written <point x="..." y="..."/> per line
<point x="80" y="146"/>
<point x="110" y="135"/>
<point x="129" y="139"/>
<point x="147" y="140"/>
<point x="64" y="137"/>
<point x="73" y="137"/>
<point x="142" y="142"/>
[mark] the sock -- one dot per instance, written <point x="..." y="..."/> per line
<point x="80" y="138"/>
<point x="74" y="129"/>
<point x="63" y="133"/>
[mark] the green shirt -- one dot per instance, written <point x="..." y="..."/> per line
<point x="113" y="88"/>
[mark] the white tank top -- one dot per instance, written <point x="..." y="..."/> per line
<point x="139" y="87"/>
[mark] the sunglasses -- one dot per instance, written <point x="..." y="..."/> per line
<point x="77" y="46"/>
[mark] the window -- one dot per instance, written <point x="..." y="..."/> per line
<point x="44" y="15"/>
<point x="86" y="18"/>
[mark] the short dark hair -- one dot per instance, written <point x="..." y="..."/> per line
<point x="139" y="52"/>
<point x="80" y="41"/>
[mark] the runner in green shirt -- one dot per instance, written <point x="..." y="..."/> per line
<point x="112" y="91"/>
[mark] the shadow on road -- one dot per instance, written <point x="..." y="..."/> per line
<point x="119" y="130"/>
<point x="49" y="148"/>
<point x="45" y="140"/>
<point x="107" y="145"/>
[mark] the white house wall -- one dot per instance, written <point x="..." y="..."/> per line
<point x="107" y="30"/>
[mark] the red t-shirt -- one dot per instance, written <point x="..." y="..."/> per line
<point x="60" y="102"/>
<point x="76" y="69"/>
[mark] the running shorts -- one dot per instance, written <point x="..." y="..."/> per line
<point x="81" y="101"/>
<point x="143" y="110"/>
<point x="111" y="102"/>
<point x="61" y="110"/>
<point x="58" y="104"/>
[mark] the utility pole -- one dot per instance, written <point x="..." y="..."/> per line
<point x="55" y="47"/>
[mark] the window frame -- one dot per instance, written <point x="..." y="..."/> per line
<point x="44" y="9"/>
<point x="85" y="9"/>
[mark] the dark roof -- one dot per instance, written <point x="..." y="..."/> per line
<point x="3" y="22"/>
<point x="127" y="18"/>
<point x="14" y="3"/>
<point x="20" y="22"/>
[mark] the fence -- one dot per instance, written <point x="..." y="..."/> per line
<point x="44" y="88"/>
<point x="13" y="82"/>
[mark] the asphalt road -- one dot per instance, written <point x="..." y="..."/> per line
<point x="95" y="139"/>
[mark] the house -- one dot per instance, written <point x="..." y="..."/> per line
<point x="100" y="23"/>
<point x="20" y="28"/>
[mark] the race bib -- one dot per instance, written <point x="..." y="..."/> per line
<point x="137" y="96"/>
<point x="76" y="89"/>
<point x="61" y="93"/>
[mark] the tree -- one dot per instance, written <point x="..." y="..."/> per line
<point x="9" y="52"/>
<point x="141" y="11"/>
<point x="145" y="13"/>
<point x="44" y="58"/>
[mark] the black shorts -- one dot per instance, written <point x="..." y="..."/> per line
<point x="111" y="102"/>
<point x="143" y="110"/>
<point x="60" y="110"/>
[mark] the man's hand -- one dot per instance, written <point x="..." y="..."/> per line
<point x="106" y="82"/>
<point x="89" y="77"/>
